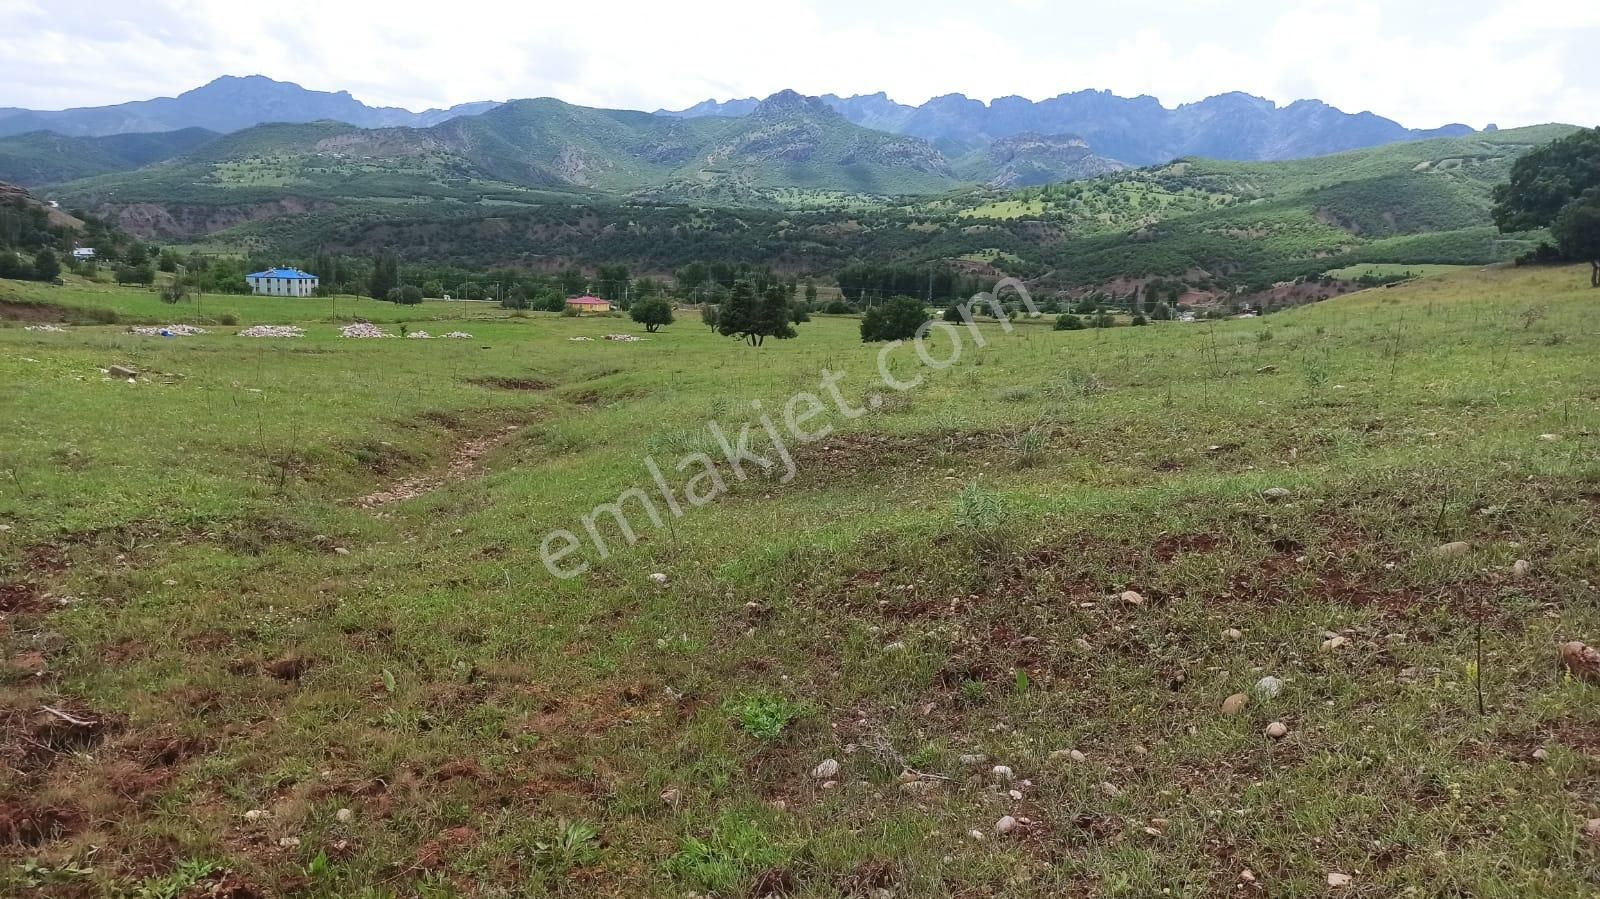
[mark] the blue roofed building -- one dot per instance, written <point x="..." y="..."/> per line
<point x="282" y="282"/>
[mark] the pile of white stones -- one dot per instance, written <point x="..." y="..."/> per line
<point x="167" y="331"/>
<point x="273" y="331"/>
<point x="363" y="331"/>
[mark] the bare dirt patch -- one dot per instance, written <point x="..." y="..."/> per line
<point x="463" y="462"/>
<point x="16" y="598"/>
<point x="10" y="310"/>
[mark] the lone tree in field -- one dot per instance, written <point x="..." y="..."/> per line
<point x="652" y="313"/>
<point x="1558" y="186"/>
<point x="898" y="319"/>
<point x="1577" y="231"/>
<point x="753" y="318"/>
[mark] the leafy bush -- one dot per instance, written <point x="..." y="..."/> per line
<point x="1067" y="321"/>
<point x="897" y="319"/>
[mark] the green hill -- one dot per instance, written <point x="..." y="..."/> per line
<point x="44" y="157"/>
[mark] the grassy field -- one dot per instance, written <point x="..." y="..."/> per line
<point x="1389" y="270"/>
<point x="276" y="620"/>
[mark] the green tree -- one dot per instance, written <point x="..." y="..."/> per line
<point x="811" y="293"/>
<point x="1161" y="313"/>
<point x="708" y="316"/>
<point x="515" y="298"/>
<point x="385" y="275"/>
<point x="10" y="265"/>
<point x="652" y="313"/>
<point x="1544" y="181"/>
<point x="1577" y="232"/>
<point x="897" y="319"/>
<point x="1557" y="186"/>
<point x="433" y="290"/>
<point x="1067" y="321"/>
<point x="46" y="267"/>
<point x="753" y="318"/>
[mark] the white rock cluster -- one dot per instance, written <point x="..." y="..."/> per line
<point x="167" y="331"/>
<point x="273" y="331"/>
<point x="363" y="331"/>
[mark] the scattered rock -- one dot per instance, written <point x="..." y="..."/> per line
<point x="1083" y="644"/>
<point x="1235" y="704"/>
<point x="659" y="577"/>
<point x="167" y="331"/>
<point x="1268" y="687"/>
<point x="1541" y="755"/>
<point x="1247" y="876"/>
<point x="457" y="335"/>
<point x="1333" y="644"/>
<point x="1233" y="634"/>
<point x="55" y="329"/>
<point x="1591" y="828"/>
<point x="1550" y="438"/>
<point x="1111" y="789"/>
<point x="1077" y="756"/>
<point x="826" y="769"/>
<point x="1132" y="598"/>
<point x="272" y="331"/>
<point x="975" y="834"/>
<point x="122" y="371"/>
<point x="1276" y="493"/>
<point x="1582" y="660"/>
<point x="1452" y="550"/>
<point x="1267" y="370"/>
<point x="1521" y="569"/>
<point x="289" y="842"/>
<point x="671" y="795"/>
<point x="344" y="816"/>
<point x="1003" y="773"/>
<point x="1277" y="730"/>
<point x="973" y="758"/>
<point x="1005" y="825"/>
<point x="363" y="331"/>
<point x="1335" y="879"/>
<point x="340" y="551"/>
<point x="917" y="787"/>
<point x="255" y="814"/>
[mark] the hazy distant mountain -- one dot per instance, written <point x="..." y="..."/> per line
<point x="226" y="104"/>
<point x="1137" y="130"/>
<point x="787" y="141"/>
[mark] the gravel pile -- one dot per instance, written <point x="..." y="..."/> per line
<point x="168" y="331"/>
<point x="273" y="331"/>
<point x="57" y="329"/>
<point x="626" y="338"/>
<point x="458" y="335"/>
<point x="419" y="335"/>
<point x="363" y="331"/>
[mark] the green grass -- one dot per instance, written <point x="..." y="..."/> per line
<point x="1389" y="270"/>
<point x="940" y="578"/>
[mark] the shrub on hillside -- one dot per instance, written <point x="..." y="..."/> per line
<point x="1067" y="321"/>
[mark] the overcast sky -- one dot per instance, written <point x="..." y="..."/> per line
<point x="1422" y="62"/>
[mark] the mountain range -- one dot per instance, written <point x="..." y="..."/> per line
<point x="1133" y="131"/>
<point x="227" y="104"/>
<point x="1137" y="131"/>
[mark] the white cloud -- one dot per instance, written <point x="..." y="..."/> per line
<point x="1424" y="63"/>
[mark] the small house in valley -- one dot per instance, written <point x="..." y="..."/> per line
<point x="282" y="282"/>
<point x="589" y="304"/>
